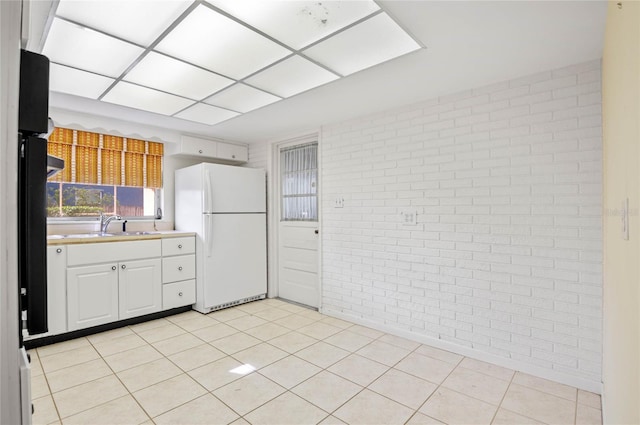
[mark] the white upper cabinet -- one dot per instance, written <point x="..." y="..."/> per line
<point x="213" y="150"/>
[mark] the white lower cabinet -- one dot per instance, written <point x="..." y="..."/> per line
<point x="178" y="294"/>
<point x="92" y="295"/>
<point x="98" y="283"/>
<point x="56" y="289"/>
<point x="140" y="287"/>
<point x="105" y="293"/>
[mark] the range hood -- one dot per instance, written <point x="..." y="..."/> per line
<point x="54" y="164"/>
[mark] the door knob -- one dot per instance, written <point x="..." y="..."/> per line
<point x="59" y="250"/>
<point x="316" y="231"/>
<point x="123" y="267"/>
<point x="180" y="268"/>
<point x="113" y="267"/>
<point x="179" y="294"/>
<point x="179" y="246"/>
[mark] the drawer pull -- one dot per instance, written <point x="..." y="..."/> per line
<point x="179" y="246"/>
<point x="59" y="250"/>
<point x="113" y="267"/>
<point x="180" y="268"/>
<point x="123" y="267"/>
<point x="200" y="151"/>
<point x="179" y="294"/>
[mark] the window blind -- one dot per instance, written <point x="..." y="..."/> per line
<point x="299" y="191"/>
<point x="95" y="158"/>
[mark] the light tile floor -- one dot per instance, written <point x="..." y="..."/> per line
<point x="309" y="368"/>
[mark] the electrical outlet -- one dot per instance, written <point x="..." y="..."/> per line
<point x="409" y="218"/>
<point x="338" y="203"/>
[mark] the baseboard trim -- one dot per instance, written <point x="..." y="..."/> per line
<point x="562" y="378"/>
<point x="53" y="339"/>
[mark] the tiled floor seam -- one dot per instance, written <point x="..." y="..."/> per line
<point x="503" y="397"/>
<point x="319" y="318"/>
<point x="121" y="383"/>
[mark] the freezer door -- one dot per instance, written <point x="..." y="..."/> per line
<point x="234" y="189"/>
<point x="235" y="258"/>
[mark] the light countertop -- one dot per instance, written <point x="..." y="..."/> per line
<point x="114" y="237"/>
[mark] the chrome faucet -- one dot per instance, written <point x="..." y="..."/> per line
<point x="105" y="220"/>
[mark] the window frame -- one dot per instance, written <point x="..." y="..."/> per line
<point x="158" y="205"/>
<point x="313" y="195"/>
<point x="124" y="147"/>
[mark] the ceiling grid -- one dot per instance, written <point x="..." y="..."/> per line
<point x="210" y="61"/>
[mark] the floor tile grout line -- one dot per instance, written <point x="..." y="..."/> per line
<point x="435" y="390"/>
<point x="320" y="318"/>
<point x="493" y="418"/>
<point x="122" y="383"/>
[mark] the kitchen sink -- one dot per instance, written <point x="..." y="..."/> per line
<point x="135" y="233"/>
<point x="88" y="235"/>
<point x="99" y="235"/>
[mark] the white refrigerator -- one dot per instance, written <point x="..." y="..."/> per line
<point x="226" y="207"/>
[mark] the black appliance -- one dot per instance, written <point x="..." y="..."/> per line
<point x="33" y="167"/>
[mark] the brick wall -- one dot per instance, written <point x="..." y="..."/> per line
<point x="505" y="258"/>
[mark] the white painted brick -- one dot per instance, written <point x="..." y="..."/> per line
<point x="577" y="90"/>
<point x="554" y="105"/>
<point x="506" y="257"/>
<point x="531" y="99"/>
<point x="555" y="83"/>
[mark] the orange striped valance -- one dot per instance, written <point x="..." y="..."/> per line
<point x="105" y="159"/>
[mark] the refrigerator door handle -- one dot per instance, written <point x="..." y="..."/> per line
<point x="208" y="233"/>
<point x="208" y="195"/>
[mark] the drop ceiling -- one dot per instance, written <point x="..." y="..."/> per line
<point x="210" y="61"/>
<point x="302" y="71"/>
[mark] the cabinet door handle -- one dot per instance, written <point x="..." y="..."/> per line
<point x="200" y="151"/>
<point x="180" y="268"/>
<point x="179" y="294"/>
<point x="59" y="250"/>
<point x="113" y="267"/>
<point x="233" y="156"/>
<point x="123" y="267"/>
<point x="179" y="246"/>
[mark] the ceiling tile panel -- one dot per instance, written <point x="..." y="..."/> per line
<point x="297" y="23"/>
<point x="291" y="76"/>
<point x="139" y="21"/>
<point x="206" y="114"/>
<point x="167" y="74"/>
<point x="80" y="83"/>
<point x="242" y="98"/>
<point x="215" y="42"/>
<point x="127" y="94"/>
<point x="82" y="48"/>
<point x="369" y="43"/>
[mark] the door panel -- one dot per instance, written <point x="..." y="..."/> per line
<point x="140" y="287"/>
<point x="298" y="262"/>
<point x="92" y="295"/>
<point x="236" y="259"/>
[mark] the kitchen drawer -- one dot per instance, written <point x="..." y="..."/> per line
<point x="178" y="268"/>
<point x="108" y="252"/>
<point x="178" y="246"/>
<point x="178" y="294"/>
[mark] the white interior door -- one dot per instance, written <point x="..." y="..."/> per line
<point x="298" y="230"/>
